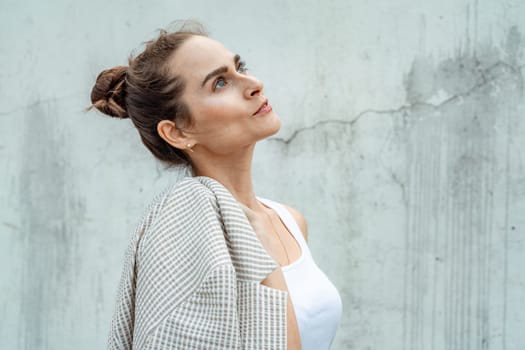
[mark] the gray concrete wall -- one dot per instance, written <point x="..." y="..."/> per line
<point x="402" y="144"/>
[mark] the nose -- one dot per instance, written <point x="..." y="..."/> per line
<point x="254" y="87"/>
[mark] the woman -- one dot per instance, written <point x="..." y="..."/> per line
<point x="212" y="265"/>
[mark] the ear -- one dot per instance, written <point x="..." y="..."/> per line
<point x="169" y="132"/>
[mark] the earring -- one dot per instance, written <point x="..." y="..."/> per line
<point x="189" y="146"/>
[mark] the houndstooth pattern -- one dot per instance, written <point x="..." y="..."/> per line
<point x="191" y="277"/>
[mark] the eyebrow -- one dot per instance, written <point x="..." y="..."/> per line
<point x="220" y="70"/>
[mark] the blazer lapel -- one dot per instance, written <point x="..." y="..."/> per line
<point x="250" y="260"/>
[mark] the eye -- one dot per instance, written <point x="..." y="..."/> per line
<point x="241" y="68"/>
<point x="219" y="83"/>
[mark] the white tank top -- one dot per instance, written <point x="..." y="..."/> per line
<point x="316" y="302"/>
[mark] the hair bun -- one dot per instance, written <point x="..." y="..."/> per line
<point x="108" y="94"/>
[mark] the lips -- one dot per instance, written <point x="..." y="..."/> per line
<point x="264" y="108"/>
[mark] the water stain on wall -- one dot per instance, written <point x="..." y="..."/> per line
<point x="46" y="233"/>
<point x="456" y="133"/>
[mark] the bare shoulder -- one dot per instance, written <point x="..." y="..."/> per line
<point x="301" y="221"/>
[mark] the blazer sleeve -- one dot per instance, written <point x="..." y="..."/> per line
<point x="178" y="288"/>
<point x="206" y="320"/>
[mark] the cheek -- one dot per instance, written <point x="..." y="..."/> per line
<point x="225" y="104"/>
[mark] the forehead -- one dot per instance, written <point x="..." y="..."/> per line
<point x="197" y="57"/>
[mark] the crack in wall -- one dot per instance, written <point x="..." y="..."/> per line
<point x="485" y="80"/>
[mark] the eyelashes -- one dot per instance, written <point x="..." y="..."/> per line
<point x="242" y="67"/>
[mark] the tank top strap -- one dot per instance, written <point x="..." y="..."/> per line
<point x="288" y="220"/>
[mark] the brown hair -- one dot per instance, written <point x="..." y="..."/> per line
<point x="147" y="92"/>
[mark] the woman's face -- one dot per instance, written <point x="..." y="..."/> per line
<point x="225" y="101"/>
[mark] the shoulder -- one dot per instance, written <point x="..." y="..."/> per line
<point x="173" y="213"/>
<point x="190" y="193"/>
<point x="301" y="221"/>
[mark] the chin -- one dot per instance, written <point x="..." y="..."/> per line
<point x="275" y="126"/>
<point x="271" y="127"/>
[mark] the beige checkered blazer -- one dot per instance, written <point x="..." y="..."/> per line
<point x="192" y="276"/>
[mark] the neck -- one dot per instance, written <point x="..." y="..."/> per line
<point x="233" y="171"/>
